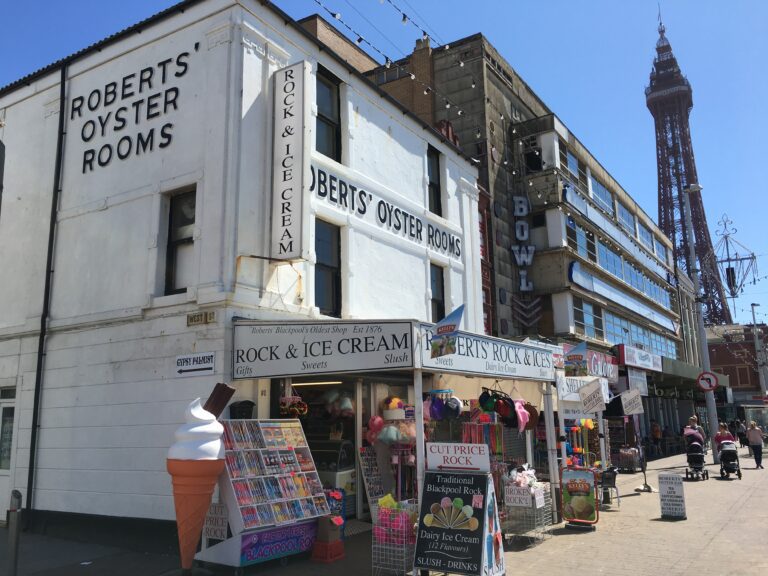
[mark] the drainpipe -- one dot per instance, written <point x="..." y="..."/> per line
<point x="47" y="292"/>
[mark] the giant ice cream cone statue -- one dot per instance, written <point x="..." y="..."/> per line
<point x="194" y="462"/>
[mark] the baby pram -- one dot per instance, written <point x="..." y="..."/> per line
<point x="695" y="457"/>
<point x="729" y="459"/>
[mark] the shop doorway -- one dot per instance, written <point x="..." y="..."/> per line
<point x="339" y="407"/>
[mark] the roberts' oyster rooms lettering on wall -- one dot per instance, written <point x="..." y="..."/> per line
<point x="131" y="115"/>
<point x="359" y="200"/>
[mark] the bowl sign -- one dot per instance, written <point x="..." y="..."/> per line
<point x="458" y="457"/>
<point x="707" y="381"/>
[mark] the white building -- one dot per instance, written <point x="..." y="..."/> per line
<point x="159" y="142"/>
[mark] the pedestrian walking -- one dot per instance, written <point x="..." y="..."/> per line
<point x="741" y="432"/>
<point x="755" y="439"/>
<point x="722" y="434"/>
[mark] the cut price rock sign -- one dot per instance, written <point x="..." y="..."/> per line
<point x="458" y="457"/>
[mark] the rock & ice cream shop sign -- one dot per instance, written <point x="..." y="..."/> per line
<point x="267" y="350"/>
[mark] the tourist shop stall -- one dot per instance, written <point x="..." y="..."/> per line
<point x="371" y="388"/>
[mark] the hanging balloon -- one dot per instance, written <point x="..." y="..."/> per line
<point x="376" y="423"/>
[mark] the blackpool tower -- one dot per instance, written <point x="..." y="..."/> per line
<point x="670" y="99"/>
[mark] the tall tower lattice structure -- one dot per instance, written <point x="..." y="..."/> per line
<point x="670" y="99"/>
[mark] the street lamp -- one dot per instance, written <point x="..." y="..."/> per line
<point x="758" y="352"/>
<point x="703" y="348"/>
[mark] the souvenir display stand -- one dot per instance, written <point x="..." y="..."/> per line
<point x="394" y="540"/>
<point x="271" y="490"/>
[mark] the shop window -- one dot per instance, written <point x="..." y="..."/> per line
<point x="179" y="261"/>
<point x="6" y="437"/>
<point x="435" y="187"/>
<point x="437" y="282"/>
<point x="328" y="132"/>
<point x="328" y="268"/>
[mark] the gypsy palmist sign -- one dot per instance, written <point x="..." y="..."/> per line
<point x="288" y="162"/>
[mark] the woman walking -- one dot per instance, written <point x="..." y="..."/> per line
<point x="755" y="439"/>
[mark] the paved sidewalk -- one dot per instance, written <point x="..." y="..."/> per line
<point x="722" y="535"/>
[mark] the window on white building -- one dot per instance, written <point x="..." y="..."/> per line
<point x="6" y="436"/>
<point x="437" y="282"/>
<point x="661" y="250"/>
<point x="179" y="260"/>
<point x="435" y="184"/>
<point x="328" y="268"/>
<point x="328" y="137"/>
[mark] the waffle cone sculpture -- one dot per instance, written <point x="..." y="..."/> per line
<point x="194" y="462"/>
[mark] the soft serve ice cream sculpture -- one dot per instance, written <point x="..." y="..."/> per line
<point x="194" y="462"/>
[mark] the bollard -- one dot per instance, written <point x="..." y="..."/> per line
<point x="14" y="526"/>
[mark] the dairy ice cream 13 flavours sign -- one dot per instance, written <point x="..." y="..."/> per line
<point x="458" y="525"/>
<point x="578" y="495"/>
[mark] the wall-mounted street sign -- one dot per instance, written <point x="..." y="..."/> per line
<point x="707" y="381"/>
<point x="198" y="364"/>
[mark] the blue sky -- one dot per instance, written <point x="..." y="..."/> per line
<point x="589" y="61"/>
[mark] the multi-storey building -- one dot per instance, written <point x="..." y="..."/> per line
<point x="570" y="254"/>
<point x="211" y="164"/>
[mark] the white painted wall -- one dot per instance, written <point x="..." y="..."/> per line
<point x="111" y="400"/>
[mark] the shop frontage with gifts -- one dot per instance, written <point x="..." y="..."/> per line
<point x="355" y="408"/>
